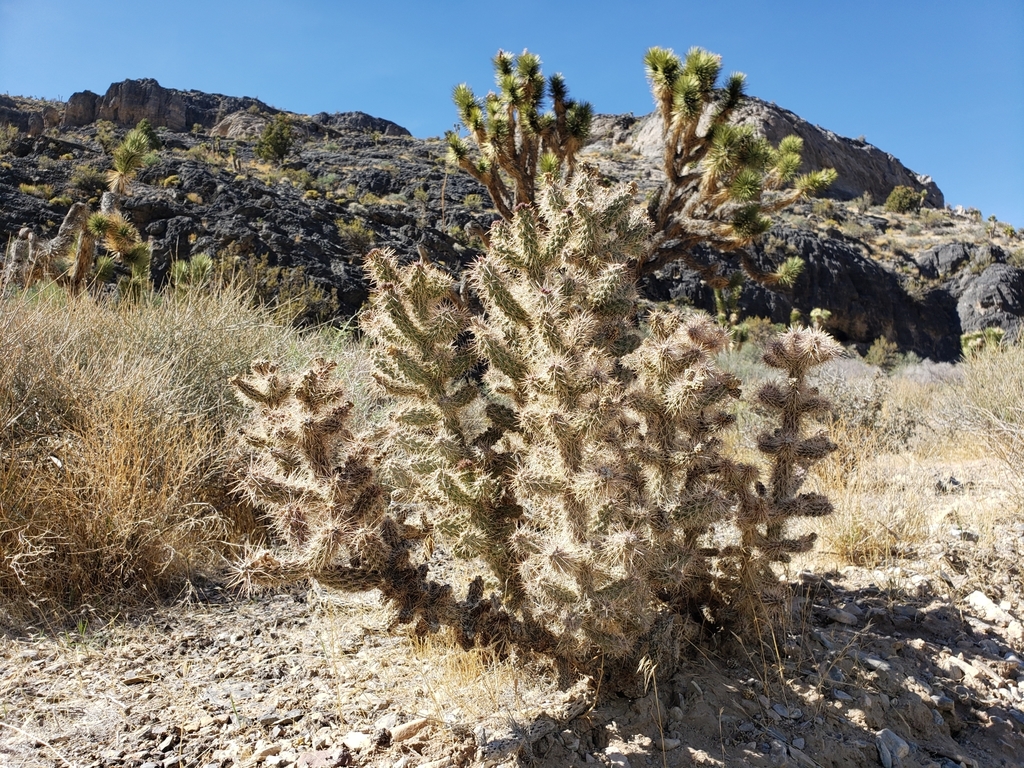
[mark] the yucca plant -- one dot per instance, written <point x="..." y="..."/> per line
<point x="575" y="450"/>
<point x="515" y="139"/>
<point x="128" y="158"/>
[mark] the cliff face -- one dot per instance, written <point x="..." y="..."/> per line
<point x="355" y="181"/>
<point x="861" y="166"/>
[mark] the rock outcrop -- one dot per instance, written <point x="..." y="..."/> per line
<point x="861" y="166"/>
<point x="128" y="102"/>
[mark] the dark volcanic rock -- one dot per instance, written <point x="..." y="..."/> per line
<point x="360" y="121"/>
<point x="867" y="301"/>
<point x="994" y="300"/>
<point x="942" y="261"/>
<point x="128" y="102"/>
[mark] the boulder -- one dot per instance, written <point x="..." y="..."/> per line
<point x="994" y="300"/>
<point x="867" y="300"/>
<point x="943" y="261"/>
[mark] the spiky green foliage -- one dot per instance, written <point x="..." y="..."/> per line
<point x="146" y="129"/>
<point x="576" y="452"/>
<point x="276" y="141"/>
<point x="128" y="158"/>
<point x="192" y="274"/>
<point x="516" y="141"/>
<point x="723" y="180"/>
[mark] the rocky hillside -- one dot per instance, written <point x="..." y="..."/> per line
<point x="354" y="181"/>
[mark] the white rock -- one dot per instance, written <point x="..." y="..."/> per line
<point x="987" y="609"/>
<point x="409" y="729"/>
<point x="357" y="741"/>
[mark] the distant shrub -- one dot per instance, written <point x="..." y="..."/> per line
<point x="276" y="141"/>
<point x="473" y="201"/>
<point x="904" y="200"/>
<point x="355" y="234"/>
<point x="43" y="191"/>
<point x="883" y="353"/>
<point x="863" y="203"/>
<point x="8" y="133"/>
<point x="105" y="135"/>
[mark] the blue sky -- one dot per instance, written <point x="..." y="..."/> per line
<point x="938" y="84"/>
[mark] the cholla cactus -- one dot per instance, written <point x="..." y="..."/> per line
<point x="318" y="483"/>
<point x="593" y="482"/>
<point x="576" y="452"/>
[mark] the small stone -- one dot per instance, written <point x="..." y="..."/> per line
<point x="357" y="741"/>
<point x="842" y="617"/>
<point x="166" y="744"/>
<point x="268" y="718"/>
<point x="268" y="751"/>
<point x="891" y="748"/>
<point x="409" y="729"/>
<point x="746" y="727"/>
<point x="667" y="745"/>
<point x="289" y="717"/>
<point x="842" y="695"/>
<point x="987" y="609"/>
<point x="675" y="715"/>
<point x="781" y="709"/>
<point x="798" y="743"/>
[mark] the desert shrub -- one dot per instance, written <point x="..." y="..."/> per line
<point x="883" y="354"/>
<point x="987" y="401"/>
<point x="576" y="454"/>
<point x="276" y="141"/>
<point x="117" y="439"/>
<point x="863" y="203"/>
<point x="857" y="231"/>
<point x="904" y="200"/>
<point x="355" y="234"/>
<point x="90" y="180"/>
<point x="473" y="201"/>
<point x="43" y="191"/>
<point x="105" y="135"/>
<point x="291" y="297"/>
<point x="8" y="134"/>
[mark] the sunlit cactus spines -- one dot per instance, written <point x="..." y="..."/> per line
<point x="547" y="423"/>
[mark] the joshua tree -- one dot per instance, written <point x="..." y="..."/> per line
<point x="722" y="179"/>
<point x="514" y="138"/>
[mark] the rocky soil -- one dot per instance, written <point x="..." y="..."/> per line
<point x="914" y="663"/>
<point x="356" y="182"/>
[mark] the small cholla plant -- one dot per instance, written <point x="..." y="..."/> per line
<point x="574" y="443"/>
<point x="318" y="483"/>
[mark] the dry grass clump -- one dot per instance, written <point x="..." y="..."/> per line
<point x="115" y="439"/>
<point x="988" y="403"/>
